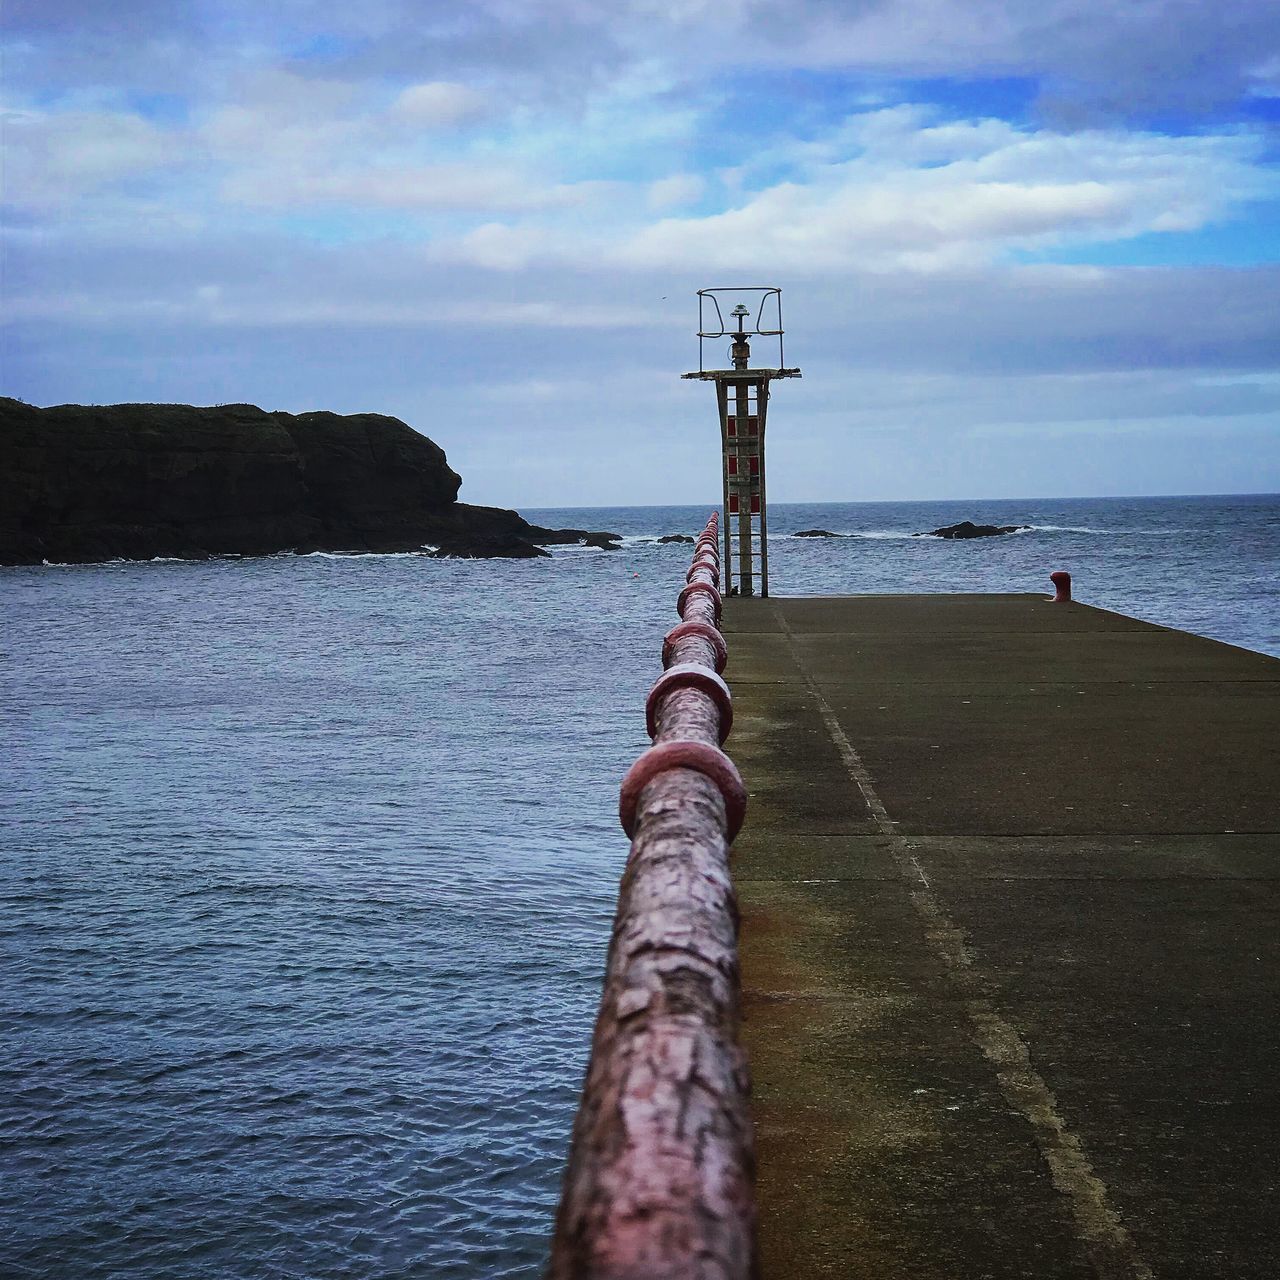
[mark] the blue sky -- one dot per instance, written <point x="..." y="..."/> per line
<point x="1025" y="248"/>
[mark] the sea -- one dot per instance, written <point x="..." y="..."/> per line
<point x="309" y="865"/>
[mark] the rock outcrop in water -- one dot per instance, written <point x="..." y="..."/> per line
<point x="816" y="533"/>
<point x="136" y="481"/>
<point x="967" y="529"/>
<point x="604" y="541"/>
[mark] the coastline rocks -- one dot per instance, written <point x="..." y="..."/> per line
<point x="676" y="537"/>
<point x="817" y="533"/>
<point x="574" y="537"/>
<point x="488" y="549"/>
<point x="967" y="529"/>
<point x="84" y="483"/>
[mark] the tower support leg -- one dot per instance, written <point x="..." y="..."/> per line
<point x="743" y="410"/>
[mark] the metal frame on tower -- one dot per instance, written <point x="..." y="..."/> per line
<point x="742" y="395"/>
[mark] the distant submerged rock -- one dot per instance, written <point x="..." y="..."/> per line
<point x="488" y="549"/>
<point x="817" y="533"/>
<point x="135" y="481"/>
<point x="967" y="529"/>
<point x="676" y="537"/>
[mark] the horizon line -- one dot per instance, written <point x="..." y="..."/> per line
<point x="862" y="502"/>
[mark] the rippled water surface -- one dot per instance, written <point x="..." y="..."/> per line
<point x="309" y="865"/>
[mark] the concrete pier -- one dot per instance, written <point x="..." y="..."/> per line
<point x="1010" y="940"/>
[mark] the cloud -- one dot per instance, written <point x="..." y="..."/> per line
<point x="28" y="18"/>
<point x="909" y="222"/>
<point x="293" y="142"/>
<point x="900" y="371"/>
<point x="895" y="190"/>
<point x="437" y="210"/>
<point x="675" y="190"/>
<point x="495" y="246"/>
<point x="470" y="187"/>
<point x="277" y="113"/>
<point x="439" y="103"/>
<point x="1264" y="78"/>
<point x="1096" y="60"/>
<point x="54" y="159"/>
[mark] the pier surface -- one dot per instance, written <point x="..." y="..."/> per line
<point x="1010" y="940"/>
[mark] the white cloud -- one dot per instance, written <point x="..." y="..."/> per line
<point x="476" y="187"/>
<point x="439" y="103"/>
<point x="274" y="112"/>
<point x="676" y="190"/>
<point x="1265" y="78"/>
<point x="293" y="143"/>
<point x="51" y="159"/>
<point x="242" y="307"/>
<point x="896" y="190"/>
<point x="920" y="196"/>
<point x="496" y="246"/>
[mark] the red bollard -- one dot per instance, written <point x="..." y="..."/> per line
<point x="1062" y="585"/>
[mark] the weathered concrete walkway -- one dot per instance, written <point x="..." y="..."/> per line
<point x="1011" y="940"/>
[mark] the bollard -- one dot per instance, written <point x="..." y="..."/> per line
<point x="661" y="1171"/>
<point x="1062" y="586"/>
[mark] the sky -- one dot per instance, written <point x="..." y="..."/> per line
<point x="1025" y="247"/>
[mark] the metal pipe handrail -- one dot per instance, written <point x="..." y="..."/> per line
<point x="660" y="1180"/>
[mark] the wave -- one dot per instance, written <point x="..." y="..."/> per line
<point x="651" y="539"/>
<point x="100" y="564"/>
<point x="425" y="549"/>
<point x="1126" y="533"/>
<point x="1064" y="528"/>
<point x="626" y="540"/>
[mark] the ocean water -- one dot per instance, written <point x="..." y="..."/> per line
<point x="309" y="865"/>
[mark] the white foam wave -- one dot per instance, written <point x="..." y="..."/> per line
<point x="1063" y="528"/>
<point x="425" y="549"/>
<point x="100" y="564"/>
<point x="1127" y="533"/>
<point x="580" y="548"/>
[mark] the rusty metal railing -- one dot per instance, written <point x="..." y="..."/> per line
<point x="660" y="1179"/>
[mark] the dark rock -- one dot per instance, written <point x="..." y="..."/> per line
<point x="137" y="481"/>
<point x="967" y="529"/>
<point x="572" y="537"/>
<point x="817" y="533"/>
<point x="488" y="548"/>
<point x="676" y="537"/>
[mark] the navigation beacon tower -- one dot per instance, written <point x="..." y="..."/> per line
<point x="742" y="395"/>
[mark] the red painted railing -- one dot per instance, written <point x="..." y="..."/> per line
<point x="661" y="1169"/>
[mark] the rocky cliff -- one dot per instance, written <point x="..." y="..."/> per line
<point x="135" y="481"/>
